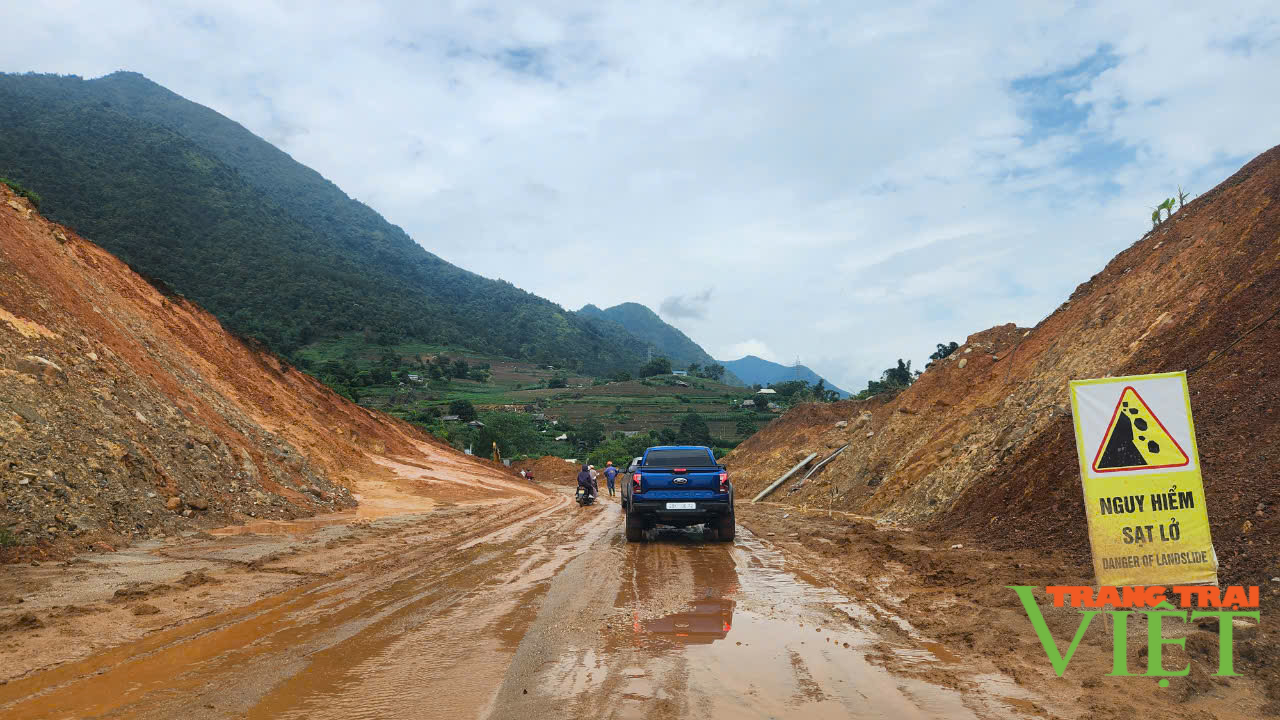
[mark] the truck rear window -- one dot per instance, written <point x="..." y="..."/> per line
<point x="678" y="458"/>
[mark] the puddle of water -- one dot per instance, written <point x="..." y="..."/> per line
<point x="749" y="638"/>
<point x="941" y="652"/>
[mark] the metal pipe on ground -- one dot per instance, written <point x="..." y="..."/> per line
<point x="786" y="475"/>
<point x="813" y="470"/>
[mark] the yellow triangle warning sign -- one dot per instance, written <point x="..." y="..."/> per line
<point x="1136" y="439"/>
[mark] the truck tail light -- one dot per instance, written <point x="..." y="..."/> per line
<point x="635" y="483"/>
<point x="724" y="482"/>
<point x="681" y="470"/>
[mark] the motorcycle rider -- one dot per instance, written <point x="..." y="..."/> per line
<point x="610" y="472"/>
<point x="585" y="481"/>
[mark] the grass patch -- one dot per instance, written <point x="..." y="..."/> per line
<point x="18" y="188"/>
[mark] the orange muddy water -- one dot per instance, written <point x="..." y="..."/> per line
<point x="548" y="614"/>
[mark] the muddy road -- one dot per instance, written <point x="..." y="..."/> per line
<point x="533" y="610"/>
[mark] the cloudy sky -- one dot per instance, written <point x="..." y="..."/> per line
<point x="847" y="185"/>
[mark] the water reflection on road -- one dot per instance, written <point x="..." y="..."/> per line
<point x="702" y="628"/>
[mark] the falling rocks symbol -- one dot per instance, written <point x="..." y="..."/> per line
<point x="1137" y="439"/>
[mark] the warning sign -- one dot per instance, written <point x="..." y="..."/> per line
<point x="1144" y="496"/>
<point x="1137" y="439"/>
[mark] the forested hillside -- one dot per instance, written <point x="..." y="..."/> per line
<point x="666" y="340"/>
<point x="194" y="200"/>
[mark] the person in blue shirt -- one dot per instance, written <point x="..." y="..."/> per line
<point x="610" y="472"/>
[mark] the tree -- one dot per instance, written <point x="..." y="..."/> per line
<point x="465" y="411"/>
<point x="588" y="435"/>
<point x="900" y="375"/>
<point x="558" y="380"/>
<point x="694" y="430"/>
<point x="893" y="380"/>
<point x="461" y="369"/>
<point x="714" y="371"/>
<point x="746" y="426"/>
<point x="695" y="369"/>
<point x="515" y="433"/>
<point x="440" y="367"/>
<point x="621" y="376"/>
<point x="656" y="366"/>
<point x="944" y="350"/>
<point x="822" y="394"/>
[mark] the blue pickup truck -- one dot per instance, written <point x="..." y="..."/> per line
<point x="680" y="486"/>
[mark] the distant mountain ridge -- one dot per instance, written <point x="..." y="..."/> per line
<point x="755" y="370"/>
<point x="645" y="324"/>
<point x="193" y="199"/>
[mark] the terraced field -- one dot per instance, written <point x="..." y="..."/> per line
<point x="633" y="405"/>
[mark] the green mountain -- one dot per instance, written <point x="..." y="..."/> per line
<point x="666" y="340"/>
<point x="754" y="370"/>
<point x="191" y="198"/>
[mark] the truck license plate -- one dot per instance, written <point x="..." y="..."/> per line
<point x="682" y="506"/>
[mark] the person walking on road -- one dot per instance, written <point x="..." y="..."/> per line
<point x="610" y="472"/>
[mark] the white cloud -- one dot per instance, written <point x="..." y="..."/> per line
<point x="858" y="184"/>
<point x="686" y="307"/>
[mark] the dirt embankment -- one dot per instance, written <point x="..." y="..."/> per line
<point x="126" y="411"/>
<point x="549" y="469"/>
<point x="982" y="444"/>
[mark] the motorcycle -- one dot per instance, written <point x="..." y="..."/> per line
<point x="583" y="497"/>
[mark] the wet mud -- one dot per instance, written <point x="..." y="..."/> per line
<point x="544" y="612"/>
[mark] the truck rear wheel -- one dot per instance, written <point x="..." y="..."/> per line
<point x="634" y="528"/>
<point x="724" y="527"/>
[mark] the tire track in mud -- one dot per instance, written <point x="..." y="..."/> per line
<point x="682" y="628"/>
<point x="230" y="660"/>
<point x="540" y="611"/>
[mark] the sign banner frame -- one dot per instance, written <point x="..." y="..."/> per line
<point x="1140" y="474"/>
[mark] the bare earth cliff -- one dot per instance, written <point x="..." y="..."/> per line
<point x="983" y="443"/>
<point x="126" y="411"/>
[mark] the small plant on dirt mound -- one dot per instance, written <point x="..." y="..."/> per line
<point x="7" y="538"/>
<point x="1167" y="207"/>
<point x="1183" y="197"/>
